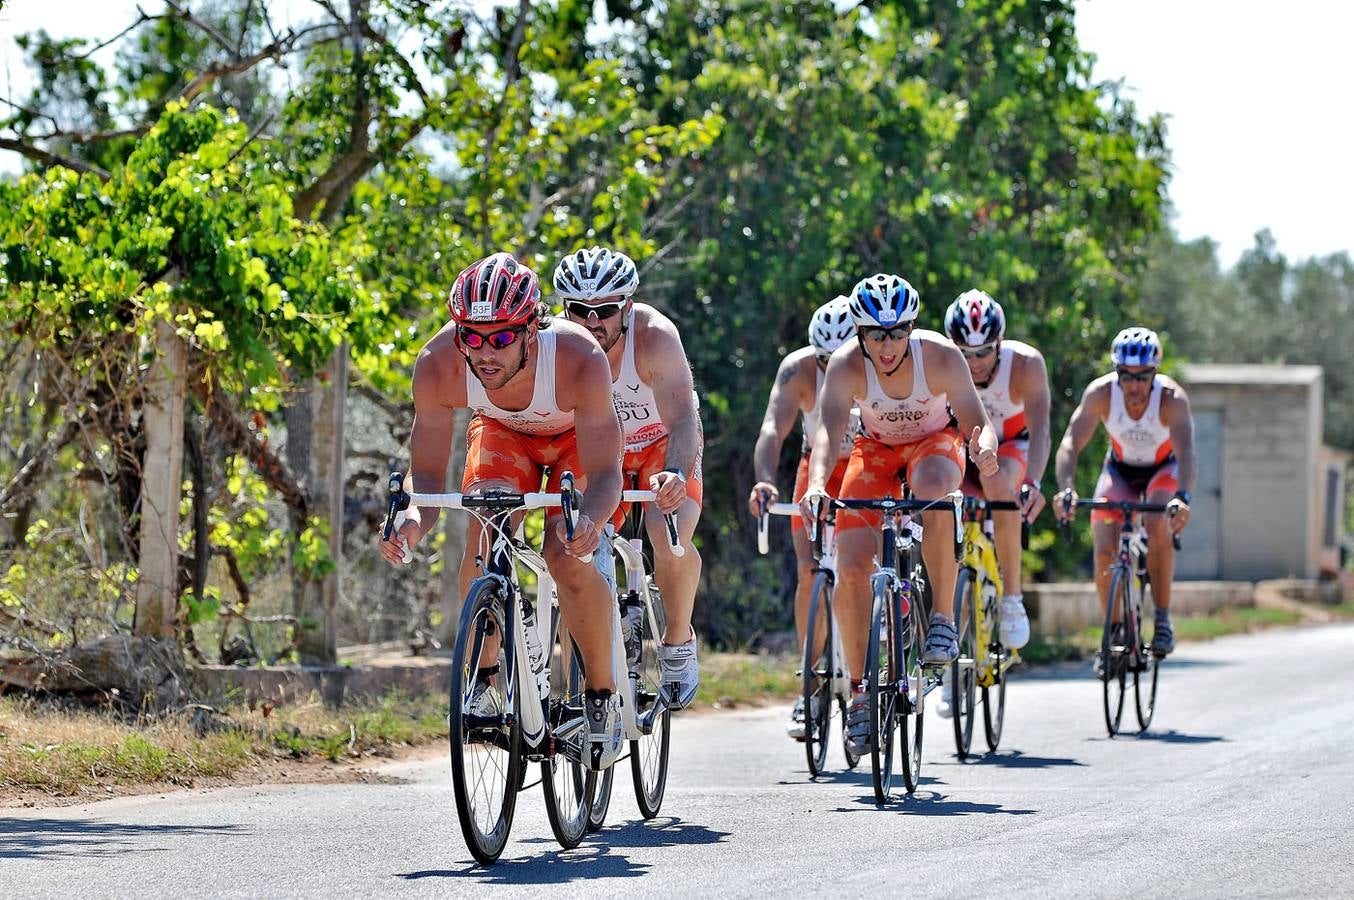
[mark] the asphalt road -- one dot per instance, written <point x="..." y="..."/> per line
<point x="1244" y="786"/>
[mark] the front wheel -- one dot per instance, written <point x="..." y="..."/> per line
<point x="819" y="675"/>
<point x="1145" y="675"/>
<point x="909" y="636"/>
<point x="881" y="668"/>
<point x="486" y="746"/>
<point x="994" y="695"/>
<point x="568" y="784"/>
<point x="964" y="670"/>
<point x="1114" y="650"/>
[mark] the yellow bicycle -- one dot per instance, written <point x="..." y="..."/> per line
<point x="983" y="661"/>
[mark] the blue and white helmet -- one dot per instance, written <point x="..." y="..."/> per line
<point x="831" y="326"/>
<point x="884" y="301"/>
<point x="594" y="272"/>
<point x="1136" y="346"/>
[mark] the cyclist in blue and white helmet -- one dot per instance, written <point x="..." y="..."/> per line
<point x="911" y="386"/>
<point x="1136" y="346"/>
<point x="1151" y="459"/>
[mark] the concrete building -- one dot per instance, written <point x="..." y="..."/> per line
<point x="1270" y="497"/>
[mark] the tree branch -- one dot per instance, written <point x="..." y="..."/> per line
<point x="205" y="27"/>
<point x="48" y="158"/>
<point x="236" y="435"/>
<point x="29" y="476"/>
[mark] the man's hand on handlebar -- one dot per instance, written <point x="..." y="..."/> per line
<point x="1177" y="515"/>
<point x="764" y="493"/>
<point x="670" y="488"/>
<point x="587" y="537"/>
<point x="1065" y="505"/>
<point x="811" y="507"/>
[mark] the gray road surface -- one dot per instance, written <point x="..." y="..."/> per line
<point x="1243" y="787"/>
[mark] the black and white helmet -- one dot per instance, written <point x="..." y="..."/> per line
<point x="595" y="272"/>
<point x="975" y="319"/>
<point x="831" y="326"/>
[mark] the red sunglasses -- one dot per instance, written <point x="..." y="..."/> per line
<point x="497" y="339"/>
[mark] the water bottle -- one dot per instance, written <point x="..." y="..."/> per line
<point x="535" y="652"/>
<point x="632" y="629"/>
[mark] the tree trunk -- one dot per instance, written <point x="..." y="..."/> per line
<point x="328" y="401"/>
<point x="454" y="529"/>
<point x="161" y="486"/>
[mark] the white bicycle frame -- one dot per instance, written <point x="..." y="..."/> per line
<point x="532" y="715"/>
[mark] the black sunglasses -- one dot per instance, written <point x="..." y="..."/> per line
<point x="1127" y="376"/>
<point x="497" y="339"/>
<point x="603" y="311"/>
<point x="878" y="335"/>
<point x="982" y="352"/>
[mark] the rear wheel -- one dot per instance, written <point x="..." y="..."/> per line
<point x="882" y="696"/>
<point x="1113" y="651"/>
<point x="486" y="750"/>
<point x="567" y="783"/>
<point x="1145" y="675"/>
<point x="994" y="695"/>
<point x="964" y="670"/>
<point x="818" y="675"/>
<point x="649" y="754"/>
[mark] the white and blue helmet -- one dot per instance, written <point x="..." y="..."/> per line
<point x="831" y="326"/>
<point x="884" y="301"/>
<point x="1136" y="346"/>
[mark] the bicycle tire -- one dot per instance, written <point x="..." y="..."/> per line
<point x="910" y="652"/>
<point x="818" y="676"/>
<point x="1145" y="675"/>
<point x="649" y="755"/>
<point x="485" y="832"/>
<point x="964" y="670"/>
<point x="1114" y="664"/>
<point x="994" y="695"/>
<point x="882" y="696"/>
<point x="568" y="785"/>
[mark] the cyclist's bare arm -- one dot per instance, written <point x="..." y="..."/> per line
<point x="792" y="393"/>
<point x="1176" y="415"/>
<point x="1093" y="409"/>
<point x="584" y="384"/>
<point x="843" y="382"/>
<point x="1032" y="387"/>
<point x="669" y="374"/>
<point x="946" y="371"/>
<point x="439" y="389"/>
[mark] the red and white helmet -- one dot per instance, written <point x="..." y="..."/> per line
<point x="974" y="319"/>
<point x="496" y="290"/>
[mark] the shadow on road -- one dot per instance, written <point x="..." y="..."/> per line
<point x="1170" y="736"/>
<point x="1081" y="670"/>
<point x="859" y="776"/>
<point x="57" y="838"/>
<point x="933" y="803"/>
<point x="1014" y="759"/>
<point x="593" y="859"/>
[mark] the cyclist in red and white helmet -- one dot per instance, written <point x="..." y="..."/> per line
<point x="1151" y="458"/>
<point x="910" y="385"/>
<point x="651" y="386"/>
<point x="533" y="384"/>
<point x="794" y="394"/>
<point x="1012" y="382"/>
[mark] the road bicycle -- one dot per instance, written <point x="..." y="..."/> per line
<point x="824" y="680"/>
<point x="509" y="642"/>
<point x="639" y="605"/>
<point x="896" y="680"/>
<point x="1124" y="648"/>
<point x="983" y="660"/>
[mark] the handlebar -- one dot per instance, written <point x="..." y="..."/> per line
<point x="1126" y="507"/>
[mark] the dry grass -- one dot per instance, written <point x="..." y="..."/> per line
<point x="62" y="752"/>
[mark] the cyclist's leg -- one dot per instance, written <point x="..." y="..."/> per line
<point x="871" y="472"/>
<point x="1005" y="485"/>
<point x="934" y="469"/>
<point x="1105" y="525"/>
<point x="1161" y="558"/>
<point x="799" y="536"/>
<point x="586" y="599"/>
<point x="677" y="576"/>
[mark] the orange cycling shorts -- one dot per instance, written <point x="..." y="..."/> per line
<point x="641" y="465"/>
<point x="1017" y="449"/>
<point x="496" y="453"/>
<point x="873" y="467"/>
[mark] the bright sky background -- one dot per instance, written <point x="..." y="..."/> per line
<point x="1258" y="97"/>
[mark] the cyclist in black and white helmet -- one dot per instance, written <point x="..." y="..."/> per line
<point x="660" y="423"/>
